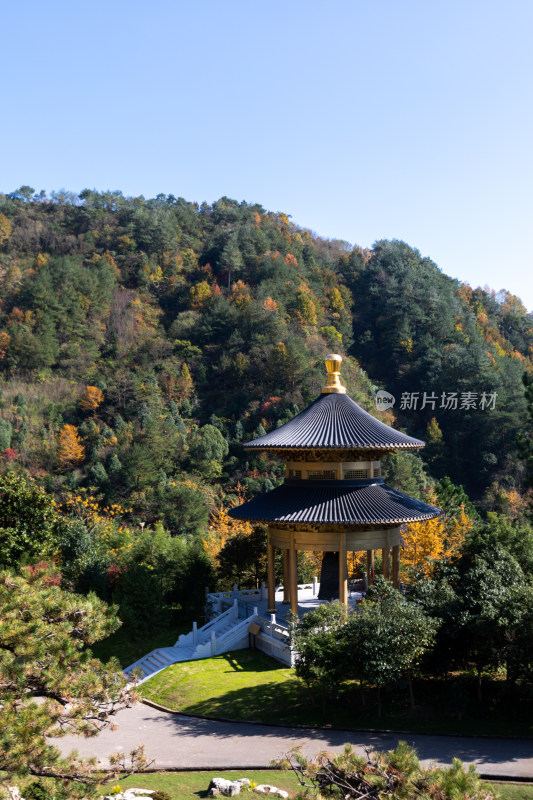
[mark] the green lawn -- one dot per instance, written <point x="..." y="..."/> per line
<point x="193" y="785"/>
<point x="249" y="685"/>
<point x="514" y="791"/>
<point x="245" y="684"/>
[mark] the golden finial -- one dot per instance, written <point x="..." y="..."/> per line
<point x="333" y="366"/>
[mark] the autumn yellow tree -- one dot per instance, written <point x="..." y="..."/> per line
<point x="199" y="294"/>
<point x="425" y="543"/>
<point x="434" y="441"/>
<point x="70" y="450"/>
<point x="185" y="385"/>
<point x="335" y="300"/>
<point x="305" y="309"/>
<point x="222" y="527"/>
<point x="5" y="229"/>
<point x="39" y="261"/>
<point x="92" y="398"/>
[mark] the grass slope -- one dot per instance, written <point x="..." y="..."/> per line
<point x="244" y="684"/>
<point x="249" y="685"/>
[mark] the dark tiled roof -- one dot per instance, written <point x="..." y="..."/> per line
<point x="335" y="421"/>
<point x="335" y="503"/>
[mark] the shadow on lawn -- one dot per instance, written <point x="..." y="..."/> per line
<point x="504" y="713"/>
<point x="251" y="661"/>
<point x="269" y="702"/>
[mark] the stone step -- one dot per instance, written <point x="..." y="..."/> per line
<point x="184" y="650"/>
<point x="159" y="658"/>
<point x="180" y="653"/>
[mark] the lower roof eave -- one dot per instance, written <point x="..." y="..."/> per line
<point x="335" y="503"/>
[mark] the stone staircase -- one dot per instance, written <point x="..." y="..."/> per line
<point x="224" y="632"/>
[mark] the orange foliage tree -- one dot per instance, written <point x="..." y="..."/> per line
<point x="70" y="450"/>
<point x="5" y="339"/>
<point x="240" y="295"/>
<point x="92" y="398"/>
<point x="270" y="305"/>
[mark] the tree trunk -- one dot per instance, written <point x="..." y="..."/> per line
<point x="379" y="702"/>
<point x="363" y="702"/>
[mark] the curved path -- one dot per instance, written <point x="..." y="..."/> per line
<point x="176" y="741"/>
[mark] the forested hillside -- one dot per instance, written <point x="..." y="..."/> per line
<point x="142" y="341"/>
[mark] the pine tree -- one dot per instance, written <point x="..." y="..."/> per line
<point x="44" y="654"/>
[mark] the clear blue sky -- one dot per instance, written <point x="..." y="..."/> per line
<point x="363" y="119"/>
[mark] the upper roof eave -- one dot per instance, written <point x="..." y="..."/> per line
<point x="335" y="422"/>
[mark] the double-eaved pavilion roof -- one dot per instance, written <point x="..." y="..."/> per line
<point x="355" y="502"/>
<point x="334" y="421"/>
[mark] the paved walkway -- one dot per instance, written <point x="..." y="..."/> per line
<point x="179" y="742"/>
<point x="307" y="601"/>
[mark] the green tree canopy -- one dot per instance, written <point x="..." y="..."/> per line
<point x="30" y="526"/>
<point x="318" y="639"/>
<point x="387" y="638"/>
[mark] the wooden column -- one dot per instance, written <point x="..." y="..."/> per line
<point x="343" y="570"/>
<point x="286" y="580"/>
<point x="369" y="568"/>
<point x="271" y="597"/>
<point x="396" y="566"/>
<point x="386" y="562"/>
<point x="293" y="577"/>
